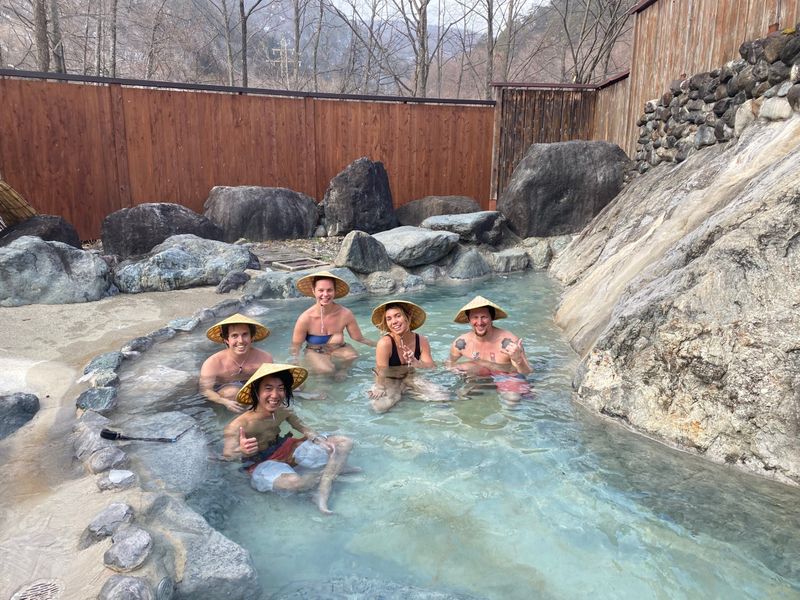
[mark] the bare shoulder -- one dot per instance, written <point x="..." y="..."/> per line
<point x="505" y="337"/>
<point x="262" y="355"/>
<point x="213" y="362"/>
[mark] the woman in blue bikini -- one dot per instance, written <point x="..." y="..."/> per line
<point x="322" y="326"/>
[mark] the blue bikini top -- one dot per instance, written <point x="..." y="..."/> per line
<point x="317" y="340"/>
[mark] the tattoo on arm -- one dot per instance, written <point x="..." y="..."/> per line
<point x="460" y="344"/>
<point x="506" y="341"/>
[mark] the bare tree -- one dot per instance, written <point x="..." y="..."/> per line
<point x="57" y="42"/>
<point x="244" y="15"/>
<point x="591" y="29"/>
<point x="113" y="42"/>
<point x="40" y="29"/>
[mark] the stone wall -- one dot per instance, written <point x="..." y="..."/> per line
<point x="714" y="107"/>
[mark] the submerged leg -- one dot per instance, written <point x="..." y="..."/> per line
<point x="296" y="483"/>
<point x="332" y="470"/>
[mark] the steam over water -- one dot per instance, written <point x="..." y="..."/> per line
<point x="477" y="499"/>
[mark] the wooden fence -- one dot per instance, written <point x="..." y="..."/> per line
<point x="672" y="39"/>
<point x="83" y="149"/>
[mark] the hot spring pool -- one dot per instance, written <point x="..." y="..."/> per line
<point x="477" y="499"/>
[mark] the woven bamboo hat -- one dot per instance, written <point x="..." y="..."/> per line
<point x="416" y="316"/>
<point x="479" y="302"/>
<point x="306" y="284"/>
<point x="299" y="375"/>
<point x="215" y="333"/>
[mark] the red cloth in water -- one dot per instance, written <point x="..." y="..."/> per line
<point x="284" y="453"/>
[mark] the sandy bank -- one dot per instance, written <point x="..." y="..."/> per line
<point x="46" y="499"/>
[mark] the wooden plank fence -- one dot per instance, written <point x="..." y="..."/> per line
<point x="83" y="149"/>
<point x="672" y="39"/>
<point x="91" y="146"/>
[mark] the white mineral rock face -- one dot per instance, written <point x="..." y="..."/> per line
<point x="683" y="299"/>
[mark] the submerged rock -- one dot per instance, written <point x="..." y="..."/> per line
<point x="682" y="301"/>
<point x="15" y="411"/>
<point x="209" y="560"/>
<point x="126" y="587"/>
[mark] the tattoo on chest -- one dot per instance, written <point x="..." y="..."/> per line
<point x="476" y="355"/>
<point x="461" y="344"/>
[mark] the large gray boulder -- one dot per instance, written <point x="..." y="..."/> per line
<point x="208" y="560"/>
<point x="558" y="188"/>
<point x="682" y="302"/>
<point x="362" y="253"/>
<point x="484" y="227"/>
<point x="15" y="411"/>
<point x="416" y="211"/>
<point x="137" y="230"/>
<point x="277" y="284"/>
<point x="469" y="264"/>
<point x="261" y="213"/>
<point x="181" y="466"/>
<point x="182" y="261"/>
<point x="359" y="198"/>
<point x="33" y="271"/>
<point x="413" y="246"/>
<point x="50" y="228"/>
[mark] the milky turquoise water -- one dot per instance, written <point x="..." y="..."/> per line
<point x="475" y="498"/>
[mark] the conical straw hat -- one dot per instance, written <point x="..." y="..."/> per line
<point x="416" y="316"/>
<point x="215" y="333"/>
<point x="306" y="284"/>
<point x="478" y="302"/>
<point x="299" y="375"/>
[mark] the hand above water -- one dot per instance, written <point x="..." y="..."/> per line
<point x="247" y="445"/>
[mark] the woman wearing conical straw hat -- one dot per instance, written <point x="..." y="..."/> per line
<point x="399" y="353"/>
<point x="224" y="372"/>
<point x="271" y="459"/>
<point x="322" y="326"/>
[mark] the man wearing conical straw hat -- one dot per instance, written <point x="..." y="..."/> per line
<point x="322" y="326"/>
<point x="223" y="373"/>
<point x="255" y="438"/>
<point x="490" y="351"/>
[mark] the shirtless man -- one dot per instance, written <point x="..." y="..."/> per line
<point x="224" y="372"/>
<point x="490" y="351"/>
<point x="255" y="438"/>
<point x="322" y="326"/>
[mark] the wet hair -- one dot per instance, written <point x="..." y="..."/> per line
<point x="492" y="311"/>
<point x="286" y="379"/>
<point x="225" y="327"/>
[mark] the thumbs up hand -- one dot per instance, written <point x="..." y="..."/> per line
<point x="247" y="445"/>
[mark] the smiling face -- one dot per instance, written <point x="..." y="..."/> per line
<point x="239" y="338"/>
<point x="480" y="319"/>
<point x="271" y="393"/>
<point x="324" y="291"/>
<point x="396" y="320"/>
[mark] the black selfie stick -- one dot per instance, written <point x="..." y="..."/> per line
<point x="107" y="434"/>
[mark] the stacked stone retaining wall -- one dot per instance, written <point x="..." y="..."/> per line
<point x="714" y="107"/>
